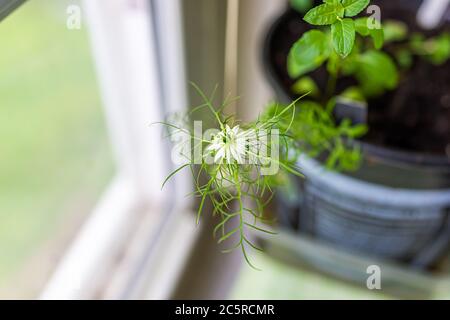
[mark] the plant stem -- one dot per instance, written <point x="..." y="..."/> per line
<point x="241" y="205"/>
<point x="331" y="87"/>
<point x="332" y="80"/>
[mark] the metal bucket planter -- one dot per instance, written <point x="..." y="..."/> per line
<point x="405" y="224"/>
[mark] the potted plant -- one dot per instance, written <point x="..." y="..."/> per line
<point x="357" y="126"/>
<point x="390" y="195"/>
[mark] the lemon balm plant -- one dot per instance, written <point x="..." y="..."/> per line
<point x="351" y="46"/>
<point x="342" y="45"/>
<point x="394" y="74"/>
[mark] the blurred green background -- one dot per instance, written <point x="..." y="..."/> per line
<point x="54" y="154"/>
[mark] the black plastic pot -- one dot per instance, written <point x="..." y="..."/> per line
<point x="396" y="206"/>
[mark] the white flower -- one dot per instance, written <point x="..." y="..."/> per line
<point x="229" y="145"/>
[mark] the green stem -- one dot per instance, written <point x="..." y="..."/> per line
<point x="241" y="204"/>
<point x="332" y="81"/>
<point x="331" y="87"/>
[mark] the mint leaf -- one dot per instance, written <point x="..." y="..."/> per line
<point x="378" y="37"/>
<point x="343" y="34"/>
<point x="376" y="72"/>
<point x="353" y="7"/>
<point x="308" y="53"/>
<point x="364" y="26"/>
<point x="324" y="14"/>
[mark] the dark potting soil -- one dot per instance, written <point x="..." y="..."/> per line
<point x="414" y="117"/>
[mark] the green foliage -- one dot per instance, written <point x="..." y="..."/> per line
<point x="338" y="13"/>
<point x="346" y="51"/>
<point x="343" y="35"/>
<point x="354" y="7"/>
<point x="237" y="191"/>
<point x="314" y="130"/>
<point x="325" y="14"/>
<point x="395" y="31"/>
<point x="308" y="53"/>
<point x="375" y="72"/>
<point x="436" y="50"/>
<point x="301" y="5"/>
<point x="351" y="47"/>
<point x="306" y="85"/>
<point x="353" y="94"/>
<point x="364" y="28"/>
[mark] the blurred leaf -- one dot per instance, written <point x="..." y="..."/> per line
<point x="365" y="27"/>
<point x="333" y="2"/>
<point x="404" y="58"/>
<point x="436" y="50"/>
<point x="308" y="53"/>
<point x="439" y="48"/>
<point x="378" y="37"/>
<point x="353" y="94"/>
<point x="361" y="26"/>
<point x="376" y="72"/>
<point x="306" y="85"/>
<point x="333" y="63"/>
<point x="301" y="5"/>
<point x="417" y="43"/>
<point x="395" y="31"/>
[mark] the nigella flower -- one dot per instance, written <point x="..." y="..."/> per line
<point x="228" y="145"/>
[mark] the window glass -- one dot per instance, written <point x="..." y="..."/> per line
<point x="54" y="154"/>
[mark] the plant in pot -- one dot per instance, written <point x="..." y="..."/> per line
<point x="391" y="196"/>
<point x="343" y="95"/>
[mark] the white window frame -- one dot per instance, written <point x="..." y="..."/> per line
<point x="138" y="50"/>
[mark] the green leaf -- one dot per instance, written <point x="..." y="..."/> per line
<point x="324" y="14"/>
<point x="404" y="58"/>
<point x="343" y="34"/>
<point x="301" y="5"/>
<point x="364" y="27"/>
<point x="395" y="31"/>
<point x="353" y="94"/>
<point x="378" y="37"/>
<point x="439" y="49"/>
<point x="353" y="7"/>
<point x="361" y="26"/>
<point x="308" y="53"/>
<point x="333" y="63"/>
<point x="306" y="85"/>
<point x="376" y="72"/>
<point x="349" y="64"/>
